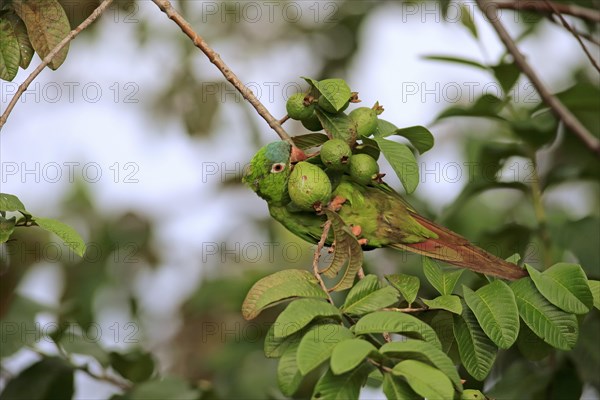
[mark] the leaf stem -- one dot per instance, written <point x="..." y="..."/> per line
<point x="489" y="9"/>
<point x="405" y="310"/>
<point x="23" y="86"/>
<point x="213" y="57"/>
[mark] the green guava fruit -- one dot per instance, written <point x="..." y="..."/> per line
<point x="363" y="168"/>
<point x="335" y="154"/>
<point x="297" y="109"/>
<point x="312" y="123"/>
<point x="308" y="184"/>
<point x="365" y="119"/>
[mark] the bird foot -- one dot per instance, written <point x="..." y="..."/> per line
<point x="336" y="203"/>
<point x="356" y="231"/>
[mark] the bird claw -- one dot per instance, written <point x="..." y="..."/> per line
<point x="336" y="203"/>
<point x="356" y="231"/>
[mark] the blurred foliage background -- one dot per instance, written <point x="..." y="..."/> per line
<point x="171" y="307"/>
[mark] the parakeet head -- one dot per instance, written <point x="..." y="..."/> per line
<point x="270" y="169"/>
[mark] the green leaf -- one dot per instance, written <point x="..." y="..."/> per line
<point x="447" y="302"/>
<point x="424" y="352"/>
<point x="49" y="378"/>
<point x="477" y="351"/>
<point x="77" y="344"/>
<point x="485" y="106"/>
<point x="349" y="354"/>
<point x="9" y="202"/>
<point x="18" y="325"/>
<point x="10" y="54"/>
<point x="363" y="288"/>
<point x="347" y="252"/>
<point x="442" y="281"/>
<point x="368" y="146"/>
<point x="309" y="140"/>
<point x="396" y="388"/>
<point x="467" y="20"/>
<point x="281" y="285"/>
<point x="362" y="299"/>
<point x="418" y="136"/>
<point x="555" y="326"/>
<point x="495" y="308"/>
<point x="507" y="75"/>
<point x="289" y="377"/>
<point x="456" y="60"/>
<point x="302" y="312"/>
<point x="403" y="162"/>
<point x="407" y="285"/>
<point x="336" y="91"/>
<point x="385" y="128"/>
<point x="531" y="345"/>
<point x="136" y="365"/>
<point x="427" y="381"/>
<point x="442" y="323"/>
<point x="67" y="234"/>
<point x="274" y="347"/>
<point x="317" y="344"/>
<point x="595" y="289"/>
<point x="25" y="47"/>
<point x="341" y="387"/>
<point x="564" y="285"/>
<point x="167" y="388"/>
<point x="338" y="126"/>
<point x="396" y="322"/>
<point x="471" y="394"/>
<point x="7" y="227"/>
<point x="47" y="25"/>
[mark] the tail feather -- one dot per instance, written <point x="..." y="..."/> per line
<point x="454" y="249"/>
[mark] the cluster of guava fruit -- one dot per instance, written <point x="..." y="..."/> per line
<point x="312" y="181"/>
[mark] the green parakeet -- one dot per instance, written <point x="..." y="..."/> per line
<point x="384" y="218"/>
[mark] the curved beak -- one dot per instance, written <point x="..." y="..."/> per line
<point x="297" y="155"/>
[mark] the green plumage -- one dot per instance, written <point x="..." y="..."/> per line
<point x="385" y="219"/>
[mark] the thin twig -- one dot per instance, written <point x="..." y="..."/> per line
<point x="583" y="35"/>
<point x="588" y="14"/>
<point x="570" y="29"/>
<point x="104" y="377"/>
<point x="284" y="119"/>
<point x="23" y="87"/>
<point x="540" y="214"/>
<point x="213" y="57"/>
<point x="316" y="257"/>
<point x="558" y="108"/>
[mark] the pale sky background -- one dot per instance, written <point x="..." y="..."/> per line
<point x="171" y="187"/>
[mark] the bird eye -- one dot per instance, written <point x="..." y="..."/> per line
<point x="278" y="167"/>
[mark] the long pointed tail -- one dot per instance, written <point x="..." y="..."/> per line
<point x="452" y="248"/>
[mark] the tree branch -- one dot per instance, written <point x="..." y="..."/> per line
<point x="316" y="257"/>
<point x="575" y="33"/>
<point x="558" y="108"/>
<point x="587" y="14"/>
<point x="23" y="87"/>
<point x="199" y="42"/>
